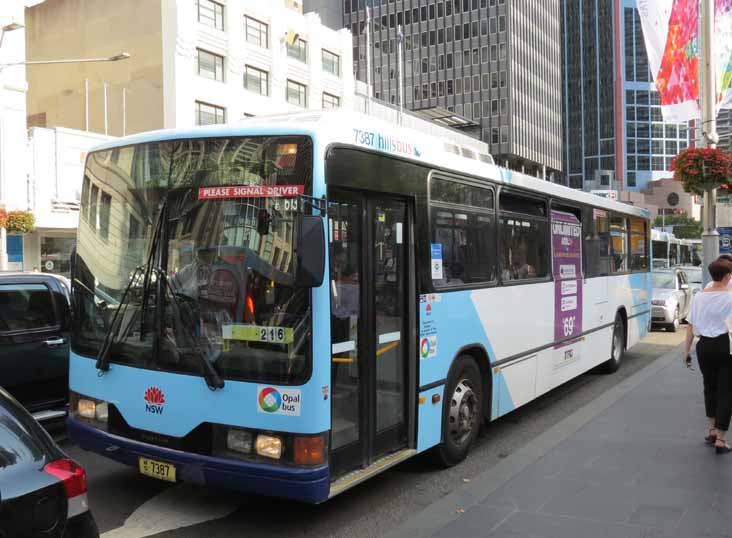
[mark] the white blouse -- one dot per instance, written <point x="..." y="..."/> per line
<point x="710" y="311"/>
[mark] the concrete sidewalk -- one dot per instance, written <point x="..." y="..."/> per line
<point x="632" y="463"/>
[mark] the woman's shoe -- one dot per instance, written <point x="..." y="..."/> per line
<point x="722" y="449"/>
<point x="712" y="437"/>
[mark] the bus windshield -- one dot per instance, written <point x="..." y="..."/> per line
<point x="185" y="254"/>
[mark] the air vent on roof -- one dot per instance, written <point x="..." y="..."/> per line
<point x="452" y="148"/>
<point x="469" y="153"/>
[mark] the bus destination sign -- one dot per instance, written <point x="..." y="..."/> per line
<point x="250" y="191"/>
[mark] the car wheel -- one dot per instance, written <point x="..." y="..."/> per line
<point x="617" y="348"/>
<point x="462" y="412"/>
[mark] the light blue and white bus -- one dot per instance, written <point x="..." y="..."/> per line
<point x="293" y="304"/>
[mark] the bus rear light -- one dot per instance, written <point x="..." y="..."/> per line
<point x="309" y="450"/>
<point x="269" y="446"/>
<point x="239" y="441"/>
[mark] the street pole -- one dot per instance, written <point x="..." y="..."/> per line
<point x="124" y="111"/>
<point x="106" y="119"/>
<point x="707" y="97"/>
<point x="86" y="104"/>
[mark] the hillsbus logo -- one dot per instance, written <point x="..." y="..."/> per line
<point x="155" y="399"/>
<point x="270" y="400"/>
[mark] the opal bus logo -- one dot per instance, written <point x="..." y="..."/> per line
<point x="278" y="401"/>
<point x="428" y="347"/>
<point x="270" y="400"/>
<point x="155" y="399"/>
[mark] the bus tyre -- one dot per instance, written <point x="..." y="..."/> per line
<point x="617" y="350"/>
<point x="462" y="412"/>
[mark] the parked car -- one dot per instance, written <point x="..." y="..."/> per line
<point x="694" y="277"/>
<point x="42" y="491"/>
<point x="34" y="341"/>
<point x="670" y="298"/>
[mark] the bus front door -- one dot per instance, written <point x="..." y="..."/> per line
<point x="369" y="328"/>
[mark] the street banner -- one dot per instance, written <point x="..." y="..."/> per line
<point x="671" y="35"/>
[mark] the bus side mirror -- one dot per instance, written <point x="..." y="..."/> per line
<point x="310" y="251"/>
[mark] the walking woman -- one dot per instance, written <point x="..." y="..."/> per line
<point x="711" y="309"/>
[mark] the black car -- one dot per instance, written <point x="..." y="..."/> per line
<point x="42" y="491"/>
<point x="34" y="341"/>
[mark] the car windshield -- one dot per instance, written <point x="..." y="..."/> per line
<point x="225" y="250"/>
<point x="664" y="280"/>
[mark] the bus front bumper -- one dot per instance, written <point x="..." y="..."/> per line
<point x="310" y="485"/>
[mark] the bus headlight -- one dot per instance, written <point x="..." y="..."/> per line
<point x="239" y="441"/>
<point x="89" y="410"/>
<point x="269" y="446"/>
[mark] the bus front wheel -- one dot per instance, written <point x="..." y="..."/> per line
<point x="462" y="412"/>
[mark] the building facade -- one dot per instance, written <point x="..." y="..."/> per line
<point x="494" y="62"/>
<point x="192" y="62"/>
<point x="614" y="134"/>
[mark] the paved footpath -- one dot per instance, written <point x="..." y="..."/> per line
<point x="632" y="463"/>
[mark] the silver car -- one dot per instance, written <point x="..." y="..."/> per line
<point x="670" y="298"/>
<point x="694" y="277"/>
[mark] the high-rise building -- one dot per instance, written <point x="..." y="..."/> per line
<point x="496" y="63"/>
<point x="614" y="134"/>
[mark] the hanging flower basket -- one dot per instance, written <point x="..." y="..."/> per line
<point x="703" y="169"/>
<point x="3" y="217"/>
<point x="20" y="222"/>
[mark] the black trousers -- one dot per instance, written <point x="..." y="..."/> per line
<point x="715" y="363"/>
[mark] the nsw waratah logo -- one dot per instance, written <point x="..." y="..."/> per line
<point x="155" y="399"/>
<point x="270" y="400"/>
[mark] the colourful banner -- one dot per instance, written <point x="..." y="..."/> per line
<point x="670" y="31"/>
<point x="671" y="35"/>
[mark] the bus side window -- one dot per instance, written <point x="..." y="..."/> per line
<point x="595" y="226"/>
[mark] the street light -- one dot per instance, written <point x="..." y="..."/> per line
<point x="9" y="28"/>
<point x="115" y="58"/>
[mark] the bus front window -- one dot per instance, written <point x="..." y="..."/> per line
<point x="223" y="255"/>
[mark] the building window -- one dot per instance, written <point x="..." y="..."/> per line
<point x="207" y="114"/>
<point x="105" y="209"/>
<point x="331" y="101"/>
<point x="256" y="80"/>
<point x="210" y="65"/>
<point x="93" y="207"/>
<point x="331" y="63"/>
<point x="297" y="93"/>
<point x="298" y="50"/>
<point x="211" y="14"/>
<point x="257" y="33"/>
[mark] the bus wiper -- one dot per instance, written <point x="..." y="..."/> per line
<point x="103" y="355"/>
<point x="209" y="373"/>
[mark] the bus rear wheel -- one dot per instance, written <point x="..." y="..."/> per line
<point x="462" y="412"/>
<point x="617" y="350"/>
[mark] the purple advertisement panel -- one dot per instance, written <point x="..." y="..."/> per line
<point x="567" y="269"/>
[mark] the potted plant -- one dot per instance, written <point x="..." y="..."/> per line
<point x="702" y="169"/>
<point x="20" y="222"/>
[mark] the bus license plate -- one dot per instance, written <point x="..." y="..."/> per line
<point x="157" y="469"/>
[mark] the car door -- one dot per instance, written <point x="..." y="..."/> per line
<point x="33" y="346"/>
<point x="684" y="293"/>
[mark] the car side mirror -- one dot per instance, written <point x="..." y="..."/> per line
<point x="310" y="251"/>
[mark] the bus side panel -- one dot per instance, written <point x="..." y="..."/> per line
<point x="636" y="295"/>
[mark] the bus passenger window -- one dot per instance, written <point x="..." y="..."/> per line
<point x="596" y="231"/>
<point x="524" y="246"/>
<point x="638" y="245"/>
<point x="619" y="235"/>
